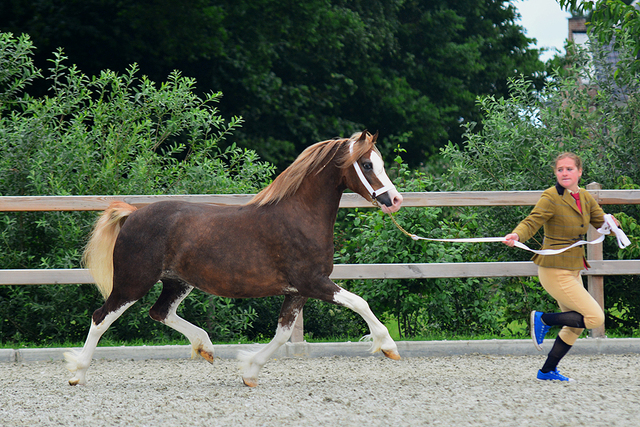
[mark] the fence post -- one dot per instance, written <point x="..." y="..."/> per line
<point x="298" y="329"/>
<point x="595" y="284"/>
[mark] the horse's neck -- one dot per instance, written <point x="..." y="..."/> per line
<point x="320" y="195"/>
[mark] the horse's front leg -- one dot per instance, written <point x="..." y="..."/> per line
<point x="251" y="363"/>
<point x="382" y="341"/>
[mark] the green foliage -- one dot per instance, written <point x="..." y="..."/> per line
<point x="118" y="134"/>
<point x="506" y="153"/>
<point x="16" y="69"/>
<point x="622" y="293"/>
<point x="523" y="133"/>
<point x="321" y="319"/>
<point x="585" y="110"/>
<point x="421" y="307"/>
<point x="109" y="134"/>
<point x="300" y="72"/>
<point x="395" y="66"/>
<point x="615" y="23"/>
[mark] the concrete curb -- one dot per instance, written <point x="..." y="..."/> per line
<point x="585" y="346"/>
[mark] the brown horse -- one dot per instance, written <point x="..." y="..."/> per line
<point x="280" y="243"/>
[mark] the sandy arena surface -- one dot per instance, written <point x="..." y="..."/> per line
<point x="474" y="390"/>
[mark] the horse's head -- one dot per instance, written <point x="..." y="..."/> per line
<point x="367" y="177"/>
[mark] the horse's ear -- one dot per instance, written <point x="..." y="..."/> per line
<point x="374" y="138"/>
<point x="363" y="136"/>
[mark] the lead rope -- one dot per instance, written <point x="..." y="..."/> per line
<point x="608" y="227"/>
<point x="375" y="203"/>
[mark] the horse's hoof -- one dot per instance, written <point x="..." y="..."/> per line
<point x="74" y="381"/>
<point x="391" y="354"/>
<point x="206" y="355"/>
<point x="250" y="382"/>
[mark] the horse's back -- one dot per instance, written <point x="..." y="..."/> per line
<point x="223" y="250"/>
<point x="169" y="227"/>
<point x="165" y="216"/>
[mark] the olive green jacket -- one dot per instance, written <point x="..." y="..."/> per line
<point x="563" y="225"/>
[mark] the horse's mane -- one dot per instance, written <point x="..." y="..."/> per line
<point x="313" y="159"/>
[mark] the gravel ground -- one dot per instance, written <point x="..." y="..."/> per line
<point x="474" y="390"/>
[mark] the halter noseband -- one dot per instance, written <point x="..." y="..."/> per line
<point x="374" y="193"/>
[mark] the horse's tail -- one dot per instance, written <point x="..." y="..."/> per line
<point x="98" y="255"/>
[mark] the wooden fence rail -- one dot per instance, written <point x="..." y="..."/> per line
<point x="77" y="276"/>
<point x="349" y="200"/>
<point x="600" y="267"/>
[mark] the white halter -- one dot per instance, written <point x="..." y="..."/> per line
<point x="374" y="193"/>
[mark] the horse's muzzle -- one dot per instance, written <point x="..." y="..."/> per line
<point x="391" y="201"/>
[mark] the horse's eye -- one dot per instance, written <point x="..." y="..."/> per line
<point x="367" y="166"/>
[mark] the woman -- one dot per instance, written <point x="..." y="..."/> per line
<point x="565" y="211"/>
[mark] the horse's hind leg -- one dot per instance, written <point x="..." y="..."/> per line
<point x="164" y="311"/>
<point x="78" y="363"/>
<point x="251" y="363"/>
<point x="128" y="287"/>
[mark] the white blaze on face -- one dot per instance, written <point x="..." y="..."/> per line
<point x="378" y="170"/>
<point x="387" y="185"/>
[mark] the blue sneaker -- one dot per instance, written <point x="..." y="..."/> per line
<point x="538" y="329"/>
<point x="553" y="376"/>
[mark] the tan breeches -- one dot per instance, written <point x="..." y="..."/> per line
<point x="568" y="290"/>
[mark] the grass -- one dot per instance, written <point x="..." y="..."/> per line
<point x="115" y="343"/>
<point x="515" y="330"/>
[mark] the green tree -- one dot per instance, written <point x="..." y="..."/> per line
<point x="613" y="22"/>
<point x="299" y="72"/>
<point x="108" y="34"/>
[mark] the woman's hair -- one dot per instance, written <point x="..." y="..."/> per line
<point x="568" y="155"/>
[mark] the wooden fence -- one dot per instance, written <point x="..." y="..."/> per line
<point x="600" y="267"/>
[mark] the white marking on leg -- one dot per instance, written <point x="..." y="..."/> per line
<point x="381" y="338"/>
<point x="200" y="342"/>
<point x="252" y="363"/>
<point x="78" y="363"/>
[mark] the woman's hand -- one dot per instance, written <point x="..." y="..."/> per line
<point x="511" y="239"/>
<point x="616" y="221"/>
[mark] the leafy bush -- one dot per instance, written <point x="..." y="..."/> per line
<point x="321" y="320"/>
<point x="117" y="134"/>
<point x="622" y="293"/>
<point x="584" y="110"/>
<point x="514" y="150"/>
<point x="109" y="134"/>
<point x="421" y="307"/>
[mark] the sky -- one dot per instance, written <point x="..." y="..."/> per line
<point x="546" y="22"/>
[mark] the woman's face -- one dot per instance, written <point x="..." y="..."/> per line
<point x="567" y="174"/>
